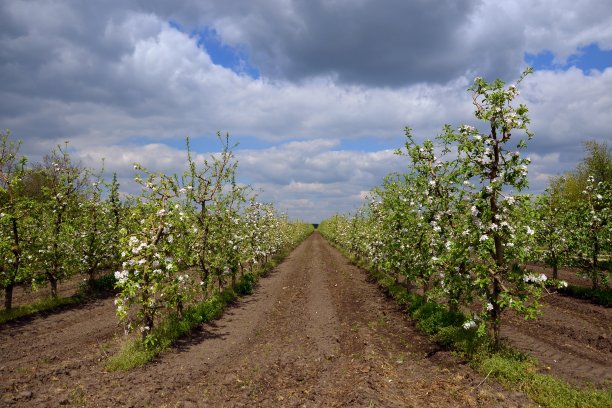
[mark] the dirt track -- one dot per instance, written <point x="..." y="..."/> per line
<point x="315" y="333"/>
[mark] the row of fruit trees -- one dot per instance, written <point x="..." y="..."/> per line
<point x="459" y="227"/>
<point x="171" y="246"/>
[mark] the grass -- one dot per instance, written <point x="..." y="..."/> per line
<point x="542" y="388"/>
<point x="514" y="370"/>
<point x="134" y="352"/>
<point x="600" y="296"/>
<point x="99" y="287"/>
<point x="42" y="305"/>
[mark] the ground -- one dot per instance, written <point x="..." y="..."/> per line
<point x="316" y="332"/>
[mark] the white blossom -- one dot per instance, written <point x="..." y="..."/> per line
<point x="470" y="324"/>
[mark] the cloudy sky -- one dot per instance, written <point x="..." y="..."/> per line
<point x="317" y="92"/>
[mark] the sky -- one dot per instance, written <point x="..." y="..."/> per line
<point x="316" y="92"/>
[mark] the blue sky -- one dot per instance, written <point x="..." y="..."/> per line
<point x="586" y="58"/>
<point x="317" y="93"/>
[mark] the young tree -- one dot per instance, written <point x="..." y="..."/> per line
<point x="149" y="263"/>
<point x="96" y="239"/>
<point x="553" y="230"/>
<point x="204" y="188"/>
<point x="61" y="191"/>
<point x="15" y="220"/>
<point x="592" y="230"/>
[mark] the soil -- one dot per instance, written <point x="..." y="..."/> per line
<point x="315" y="333"/>
<point x="572" y="339"/>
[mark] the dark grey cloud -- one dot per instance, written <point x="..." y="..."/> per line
<point x="376" y="43"/>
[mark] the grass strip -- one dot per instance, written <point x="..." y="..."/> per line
<point x="43" y="305"/>
<point x="99" y="287"/>
<point x="600" y="296"/>
<point x="514" y="370"/>
<point x="135" y="352"/>
<point x="542" y="388"/>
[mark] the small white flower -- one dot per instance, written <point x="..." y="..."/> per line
<point x="483" y="237"/>
<point x="470" y="324"/>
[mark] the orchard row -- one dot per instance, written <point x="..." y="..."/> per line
<point x="457" y="226"/>
<point x="170" y="246"/>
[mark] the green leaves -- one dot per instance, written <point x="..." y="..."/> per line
<point x="188" y="235"/>
<point x="455" y="224"/>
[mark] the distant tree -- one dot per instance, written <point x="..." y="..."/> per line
<point x="597" y="163"/>
<point x="584" y="197"/>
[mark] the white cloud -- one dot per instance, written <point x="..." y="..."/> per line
<point x="123" y="83"/>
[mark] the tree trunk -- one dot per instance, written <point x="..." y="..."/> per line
<point x="53" y="283"/>
<point x="555" y="271"/>
<point x="595" y="279"/>
<point x="179" y="308"/>
<point x="595" y="261"/>
<point x="92" y="278"/>
<point x="147" y="323"/>
<point x="8" y="297"/>
<point x="495" y="314"/>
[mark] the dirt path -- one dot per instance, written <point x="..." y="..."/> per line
<point x="315" y="333"/>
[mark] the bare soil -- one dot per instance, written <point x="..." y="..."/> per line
<point x="572" y="339"/>
<point x="315" y="333"/>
